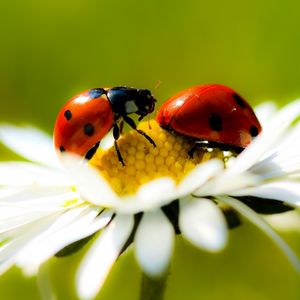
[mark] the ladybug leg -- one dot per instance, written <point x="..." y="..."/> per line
<point x="131" y="123"/>
<point x="121" y="127"/>
<point x="192" y="150"/>
<point x="89" y="155"/>
<point x="116" y="134"/>
<point x="197" y="145"/>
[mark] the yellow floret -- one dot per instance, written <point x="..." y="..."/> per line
<point x="144" y="162"/>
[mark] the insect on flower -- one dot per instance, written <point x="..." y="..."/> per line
<point x="88" y="117"/>
<point x="213" y="115"/>
<point x="46" y="208"/>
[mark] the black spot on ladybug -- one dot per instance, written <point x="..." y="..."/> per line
<point x="239" y="101"/>
<point x="62" y="149"/>
<point x="96" y="93"/>
<point x="68" y="115"/>
<point x="215" y="122"/>
<point x="89" y="129"/>
<point x="253" y="131"/>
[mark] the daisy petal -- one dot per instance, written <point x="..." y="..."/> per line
<point x="288" y="222"/>
<point x="6" y="265"/>
<point x="43" y="248"/>
<point x="225" y="183"/>
<point x="162" y="191"/>
<point x="154" y="241"/>
<point x="102" y="255"/>
<point x="202" y="223"/>
<point x="30" y="143"/>
<point x="265" y="111"/>
<point x="269" y="169"/>
<point x="267" y="140"/>
<point x="265" y="227"/>
<point x="199" y="176"/>
<point x="150" y="196"/>
<point x="290" y="144"/>
<point x="107" y="141"/>
<point x="286" y="191"/>
<point x="25" y="217"/>
<point x="32" y="204"/>
<point x="9" y="191"/>
<point x="20" y="238"/>
<point x="25" y="174"/>
<point x="90" y="182"/>
<point x="155" y="189"/>
<point x="41" y="195"/>
<point x="255" y="151"/>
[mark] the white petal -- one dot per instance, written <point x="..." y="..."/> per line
<point x="16" y="208"/>
<point x="202" y="223"/>
<point x="150" y="196"/>
<point x="255" y="151"/>
<point x="41" y="249"/>
<point x="287" y="114"/>
<point x="107" y="141"/>
<point x="156" y="189"/>
<point x="265" y="227"/>
<point x="102" y="255"/>
<point x="30" y="143"/>
<point x="265" y="111"/>
<point x="290" y="143"/>
<point x="13" y="222"/>
<point x="225" y="183"/>
<point x="44" y="284"/>
<point x="267" y="140"/>
<point x="21" y="237"/>
<point x="6" y="265"/>
<point x="31" y="204"/>
<point x="288" y="222"/>
<point x="199" y="176"/>
<point x="270" y="170"/>
<point x="40" y="195"/>
<point x="154" y="241"/>
<point x="162" y="191"/>
<point x="286" y="191"/>
<point x="24" y="174"/>
<point x="90" y="182"/>
<point x="9" y="191"/>
<point x="286" y="157"/>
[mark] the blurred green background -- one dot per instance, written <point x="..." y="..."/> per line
<point x="51" y="50"/>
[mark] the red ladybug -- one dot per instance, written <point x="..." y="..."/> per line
<point x="87" y="118"/>
<point x="214" y="114"/>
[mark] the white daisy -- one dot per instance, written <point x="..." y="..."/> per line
<point x="45" y="208"/>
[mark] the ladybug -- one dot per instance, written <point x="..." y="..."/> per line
<point x="212" y="115"/>
<point x="86" y="118"/>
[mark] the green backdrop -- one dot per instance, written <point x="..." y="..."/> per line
<point x="52" y="49"/>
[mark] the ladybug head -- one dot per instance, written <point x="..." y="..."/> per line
<point x="145" y="102"/>
<point x="127" y="100"/>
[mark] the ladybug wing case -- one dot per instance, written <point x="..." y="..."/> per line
<point x="211" y="112"/>
<point x="82" y="123"/>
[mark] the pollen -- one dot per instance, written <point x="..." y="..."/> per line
<point x="144" y="162"/>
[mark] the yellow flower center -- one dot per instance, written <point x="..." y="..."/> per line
<point x="144" y="162"/>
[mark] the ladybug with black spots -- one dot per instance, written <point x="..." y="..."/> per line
<point x="212" y="115"/>
<point x="86" y="118"/>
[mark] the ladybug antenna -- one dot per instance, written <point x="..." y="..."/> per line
<point x="157" y="85"/>
<point x="148" y="120"/>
